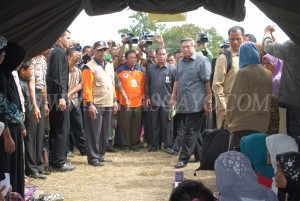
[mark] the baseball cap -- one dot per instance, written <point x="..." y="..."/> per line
<point x="100" y="45"/>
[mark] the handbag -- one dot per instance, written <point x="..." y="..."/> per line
<point x="215" y="142"/>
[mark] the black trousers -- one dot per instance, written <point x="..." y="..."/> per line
<point x="162" y="127"/>
<point x="58" y="136"/>
<point x="77" y="129"/>
<point x="235" y="138"/>
<point x="130" y="122"/>
<point x="13" y="163"/>
<point x="97" y="133"/>
<point x="34" y="139"/>
<point x="147" y="123"/>
<point x="192" y="141"/>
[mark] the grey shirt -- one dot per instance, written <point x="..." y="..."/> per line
<point x="159" y="84"/>
<point x="289" y="89"/>
<point x="192" y="75"/>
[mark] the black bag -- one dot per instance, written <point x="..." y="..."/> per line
<point x="215" y="142"/>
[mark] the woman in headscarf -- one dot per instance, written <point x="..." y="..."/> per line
<point x="236" y="180"/>
<point x="254" y="147"/>
<point x="248" y="107"/>
<point x="278" y="144"/>
<point x="11" y="142"/>
<point x="274" y="65"/>
<point x="288" y="174"/>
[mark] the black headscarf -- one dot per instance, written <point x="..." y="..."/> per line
<point x="14" y="55"/>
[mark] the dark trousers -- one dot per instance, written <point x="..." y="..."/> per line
<point x="58" y="136"/>
<point x="76" y="129"/>
<point x="147" y="123"/>
<point x="118" y="135"/>
<point x="130" y="122"/>
<point x="293" y="124"/>
<point x="178" y="132"/>
<point x="235" y="138"/>
<point x="96" y="131"/>
<point x="162" y="127"/>
<point x="13" y="163"/>
<point x="192" y="142"/>
<point x="33" y="141"/>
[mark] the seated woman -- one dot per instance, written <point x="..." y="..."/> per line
<point x="278" y="144"/>
<point x="254" y="147"/>
<point x="288" y="174"/>
<point x="237" y="181"/>
<point x="190" y="190"/>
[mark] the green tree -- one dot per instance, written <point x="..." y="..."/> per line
<point x="141" y="24"/>
<point x="173" y="35"/>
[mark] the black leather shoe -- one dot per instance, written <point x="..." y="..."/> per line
<point x="111" y="149"/>
<point x="95" y="163"/>
<point x="135" y="148"/>
<point x="64" y="168"/>
<point x="37" y="175"/>
<point x="180" y="164"/>
<point x="170" y="151"/>
<point x="153" y="148"/>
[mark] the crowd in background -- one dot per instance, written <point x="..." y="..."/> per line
<point x="102" y="98"/>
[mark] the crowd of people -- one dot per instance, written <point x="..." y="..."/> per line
<point x="102" y="98"/>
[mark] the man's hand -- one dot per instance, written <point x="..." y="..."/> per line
<point x="269" y="29"/>
<point x="127" y="105"/>
<point x="116" y="107"/>
<point x="159" y="38"/>
<point x="24" y="133"/>
<point x="46" y="109"/>
<point x="62" y="104"/>
<point x="207" y="107"/>
<point x="92" y="111"/>
<point x="1" y="190"/>
<point x="148" y="102"/>
<point x="9" y="144"/>
<point x="36" y="113"/>
<point x="172" y="102"/>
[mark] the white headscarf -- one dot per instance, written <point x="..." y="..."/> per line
<point x="278" y="144"/>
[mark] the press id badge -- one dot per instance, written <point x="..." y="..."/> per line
<point x="133" y="83"/>
<point x="167" y="79"/>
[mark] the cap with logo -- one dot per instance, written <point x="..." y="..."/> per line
<point x="100" y="45"/>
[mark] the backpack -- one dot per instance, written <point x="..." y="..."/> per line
<point x="228" y="56"/>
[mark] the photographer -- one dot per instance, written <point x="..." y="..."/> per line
<point x="201" y="44"/>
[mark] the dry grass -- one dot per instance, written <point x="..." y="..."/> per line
<point x="133" y="176"/>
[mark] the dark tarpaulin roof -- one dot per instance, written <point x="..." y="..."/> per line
<point x="36" y="24"/>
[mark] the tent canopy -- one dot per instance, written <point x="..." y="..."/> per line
<point x="36" y="25"/>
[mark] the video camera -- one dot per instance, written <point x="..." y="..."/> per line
<point x="202" y="38"/>
<point x="147" y="38"/>
<point x="132" y="39"/>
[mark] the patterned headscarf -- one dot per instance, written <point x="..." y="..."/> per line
<point x="3" y="42"/>
<point x="254" y="147"/>
<point x="236" y="179"/>
<point x="277" y="64"/>
<point x="248" y="54"/>
<point x="278" y="144"/>
<point x="290" y="165"/>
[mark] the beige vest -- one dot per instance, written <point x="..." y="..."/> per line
<point x="103" y="85"/>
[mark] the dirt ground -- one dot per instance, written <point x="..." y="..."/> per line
<point x="133" y="176"/>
